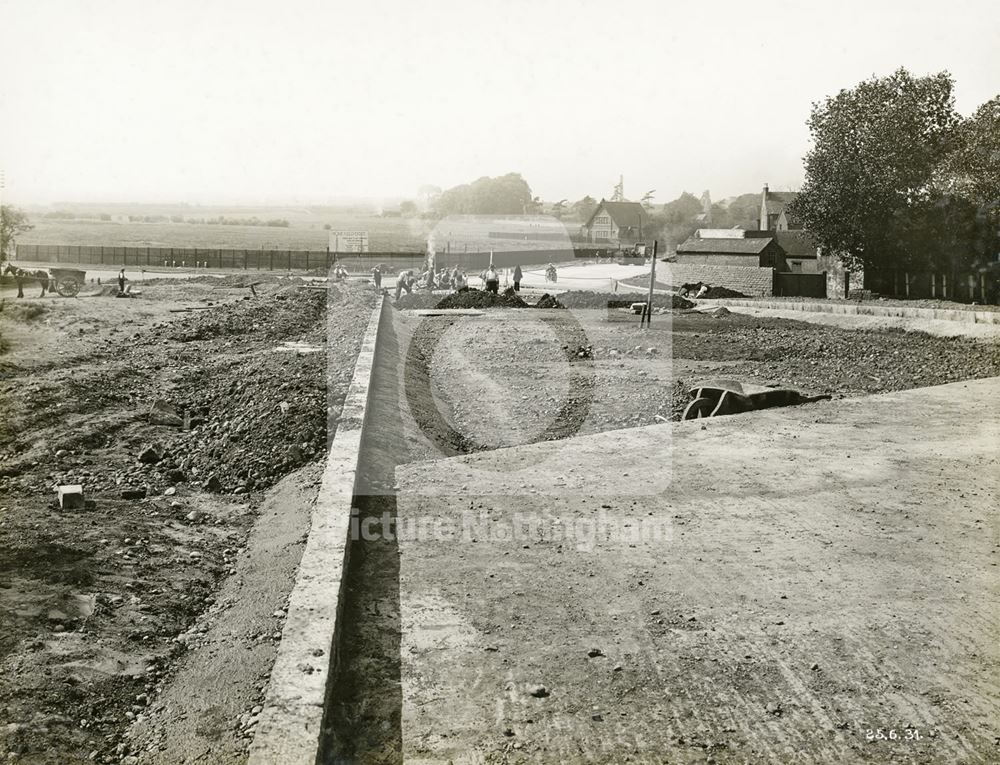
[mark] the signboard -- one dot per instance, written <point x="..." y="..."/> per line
<point x="348" y="241"/>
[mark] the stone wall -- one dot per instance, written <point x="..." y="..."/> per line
<point x="750" y="280"/>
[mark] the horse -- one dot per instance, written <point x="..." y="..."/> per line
<point x="22" y="275"/>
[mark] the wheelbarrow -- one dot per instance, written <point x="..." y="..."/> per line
<point x="715" y="398"/>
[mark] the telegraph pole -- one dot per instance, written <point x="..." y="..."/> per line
<point x="648" y="313"/>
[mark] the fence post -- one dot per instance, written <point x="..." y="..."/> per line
<point x="271" y="257"/>
<point x="307" y="260"/>
<point x="244" y="260"/>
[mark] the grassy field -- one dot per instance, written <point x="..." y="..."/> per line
<point x="306" y="231"/>
<point x="385" y="234"/>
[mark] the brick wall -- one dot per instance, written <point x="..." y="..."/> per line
<point x="838" y="277"/>
<point x="750" y="280"/>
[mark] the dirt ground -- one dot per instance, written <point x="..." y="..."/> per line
<point x="511" y="377"/>
<point x="145" y="622"/>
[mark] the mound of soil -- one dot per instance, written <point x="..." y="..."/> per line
<point x="467" y="297"/>
<point x="620" y="300"/>
<point x="723" y="292"/>
<point x="547" y="301"/>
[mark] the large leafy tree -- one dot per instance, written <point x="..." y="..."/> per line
<point x="973" y="170"/>
<point x="12" y="222"/>
<point x="870" y="192"/>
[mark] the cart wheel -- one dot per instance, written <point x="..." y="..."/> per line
<point x="700" y="407"/>
<point x="68" y="287"/>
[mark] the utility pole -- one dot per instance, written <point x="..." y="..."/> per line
<point x="647" y="316"/>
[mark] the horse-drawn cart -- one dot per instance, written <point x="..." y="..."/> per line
<point x="67" y="281"/>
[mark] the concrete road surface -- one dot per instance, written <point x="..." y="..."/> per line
<point x="814" y="584"/>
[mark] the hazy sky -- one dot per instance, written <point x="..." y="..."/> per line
<point x="252" y="101"/>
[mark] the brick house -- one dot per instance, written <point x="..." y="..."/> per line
<point x="617" y="223"/>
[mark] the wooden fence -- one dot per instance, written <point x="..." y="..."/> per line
<point x="962" y="287"/>
<point x="281" y="260"/>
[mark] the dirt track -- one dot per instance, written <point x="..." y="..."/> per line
<point x="103" y="607"/>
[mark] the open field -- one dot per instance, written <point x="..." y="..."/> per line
<point x="306" y="232"/>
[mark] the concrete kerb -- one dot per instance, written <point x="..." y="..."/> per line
<point x="854" y="309"/>
<point x="290" y="725"/>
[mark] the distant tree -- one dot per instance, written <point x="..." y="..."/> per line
<point x="869" y="192"/>
<point x="680" y="218"/>
<point x="559" y="208"/>
<point x="647" y="199"/>
<point x="505" y="195"/>
<point x="742" y="212"/>
<point x="106" y="216"/>
<point x="584" y="208"/>
<point x="427" y="194"/>
<point x="13" y="221"/>
<point x="408" y="207"/>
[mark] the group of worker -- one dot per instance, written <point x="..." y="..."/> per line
<point x="454" y="279"/>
